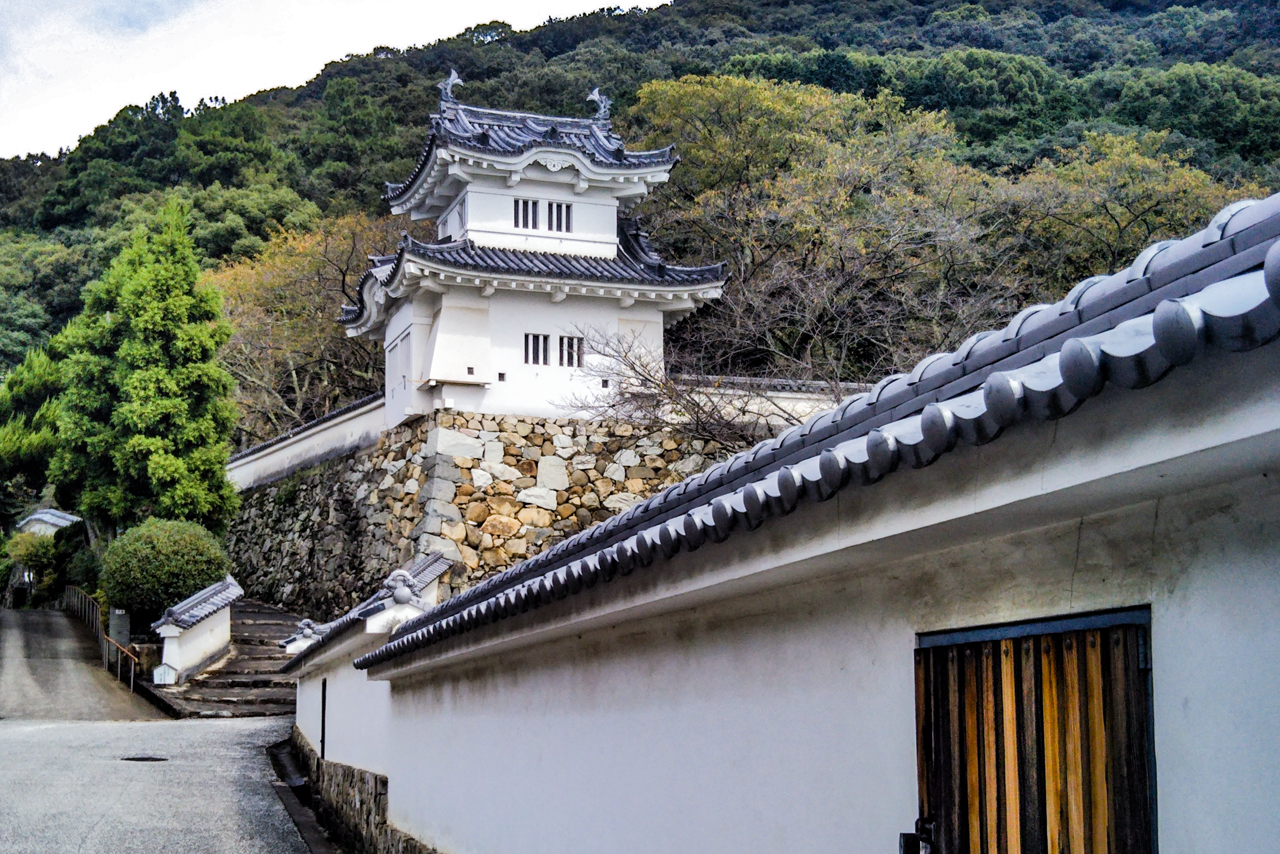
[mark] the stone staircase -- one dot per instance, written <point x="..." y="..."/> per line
<point x="246" y="683"/>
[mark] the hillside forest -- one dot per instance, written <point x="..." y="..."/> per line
<point x="883" y="177"/>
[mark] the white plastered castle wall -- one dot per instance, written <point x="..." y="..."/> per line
<point x="484" y="213"/>
<point x="356" y="711"/>
<point x="758" y="695"/>
<point x="469" y="353"/>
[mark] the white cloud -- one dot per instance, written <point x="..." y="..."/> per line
<point x="67" y="66"/>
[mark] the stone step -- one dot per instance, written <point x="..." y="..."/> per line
<point x="221" y="680"/>
<point x="196" y="693"/>
<point x="222" y="710"/>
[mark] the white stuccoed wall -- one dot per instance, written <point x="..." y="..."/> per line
<point x="358" y="710"/>
<point x="758" y="695"/>
<point x="190" y="647"/>
<point x="487" y="335"/>
<point x="356" y="429"/>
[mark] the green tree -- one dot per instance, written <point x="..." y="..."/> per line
<point x="159" y="563"/>
<point x="22" y="327"/>
<point x="145" y="416"/>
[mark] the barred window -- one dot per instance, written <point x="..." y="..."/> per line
<point x="1036" y="738"/>
<point x="572" y="351"/>
<point x="525" y="213"/>
<point x="559" y="216"/>
<point x="537" y="349"/>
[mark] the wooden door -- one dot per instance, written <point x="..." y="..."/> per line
<point x="1037" y="744"/>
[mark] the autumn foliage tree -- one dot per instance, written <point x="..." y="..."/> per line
<point x="292" y="362"/>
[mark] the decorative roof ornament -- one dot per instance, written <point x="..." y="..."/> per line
<point x="446" y="87"/>
<point x="602" y="102"/>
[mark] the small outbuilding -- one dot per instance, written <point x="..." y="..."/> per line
<point x="46" y="522"/>
<point x="196" y="632"/>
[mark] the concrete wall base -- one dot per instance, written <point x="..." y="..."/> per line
<point x="351" y="805"/>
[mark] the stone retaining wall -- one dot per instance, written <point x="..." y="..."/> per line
<point x="351" y="805"/>
<point x="487" y="491"/>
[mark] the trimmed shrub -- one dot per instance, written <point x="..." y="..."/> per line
<point x="158" y="564"/>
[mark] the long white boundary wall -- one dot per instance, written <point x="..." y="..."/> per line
<point x="358" y="427"/>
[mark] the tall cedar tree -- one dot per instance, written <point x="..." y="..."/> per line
<point x="146" y="414"/>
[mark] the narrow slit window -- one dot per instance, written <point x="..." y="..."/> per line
<point x="525" y="213"/>
<point x="537" y="349"/>
<point x="572" y="349"/>
<point x="559" y="217"/>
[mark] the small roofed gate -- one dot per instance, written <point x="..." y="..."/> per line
<point x="1036" y="739"/>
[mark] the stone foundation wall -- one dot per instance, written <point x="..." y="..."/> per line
<point x="351" y="805"/>
<point x="487" y="491"/>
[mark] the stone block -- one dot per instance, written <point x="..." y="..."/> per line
<point x="493" y="452"/>
<point x="439" y="490"/>
<point x="477" y="512"/>
<point x="410" y="486"/>
<point x="452" y="443"/>
<point x="443" y="510"/>
<point x="552" y="473"/>
<point x="504" y="505"/>
<point x="615" y="471"/>
<point x="640" y="473"/>
<point x="560" y="440"/>
<point x="448" y="548"/>
<point x="620" y="501"/>
<point x="536" y="517"/>
<point x="480" y="478"/>
<point x="500" y="470"/>
<point x="582" y="462"/>
<point x="538" y="496"/>
<point x="470" y="557"/>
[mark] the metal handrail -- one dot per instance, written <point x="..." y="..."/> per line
<point x="89" y="611"/>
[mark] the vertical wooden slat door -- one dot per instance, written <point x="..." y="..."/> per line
<point x="1037" y="744"/>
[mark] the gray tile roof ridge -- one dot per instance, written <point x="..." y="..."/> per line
<point x="470" y="127"/>
<point x="919" y="416"/>
<point x="468" y="254"/>
<point x="636" y="265"/>
<point x="414" y="575"/>
<point x="51" y="515"/>
<point x="201" y="605"/>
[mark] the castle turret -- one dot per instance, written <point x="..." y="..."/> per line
<point x="532" y="247"/>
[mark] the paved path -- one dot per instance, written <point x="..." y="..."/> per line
<point x="50" y="670"/>
<point x="65" y="731"/>
<point x="64" y="788"/>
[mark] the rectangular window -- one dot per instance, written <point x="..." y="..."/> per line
<point x="559" y="216"/>
<point x="1036" y="738"/>
<point x="537" y="349"/>
<point x="525" y="212"/>
<point x="571" y="351"/>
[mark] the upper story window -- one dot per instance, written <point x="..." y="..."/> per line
<point x="537" y="349"/>
<point x="526" y="213"/>
<point x="572" y="351"/>
<point x="559" y="216"/>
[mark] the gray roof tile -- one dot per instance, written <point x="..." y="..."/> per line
<point x="201" y="606"/>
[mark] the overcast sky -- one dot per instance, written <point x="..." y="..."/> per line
<point x="67" y="66"/>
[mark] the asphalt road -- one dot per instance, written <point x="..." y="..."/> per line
<point x="66" y="730"/>
<point x="50" y="670"/>
<point x="64" y="788"/>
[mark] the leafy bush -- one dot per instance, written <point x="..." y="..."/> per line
<point x="158" y="564"/>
